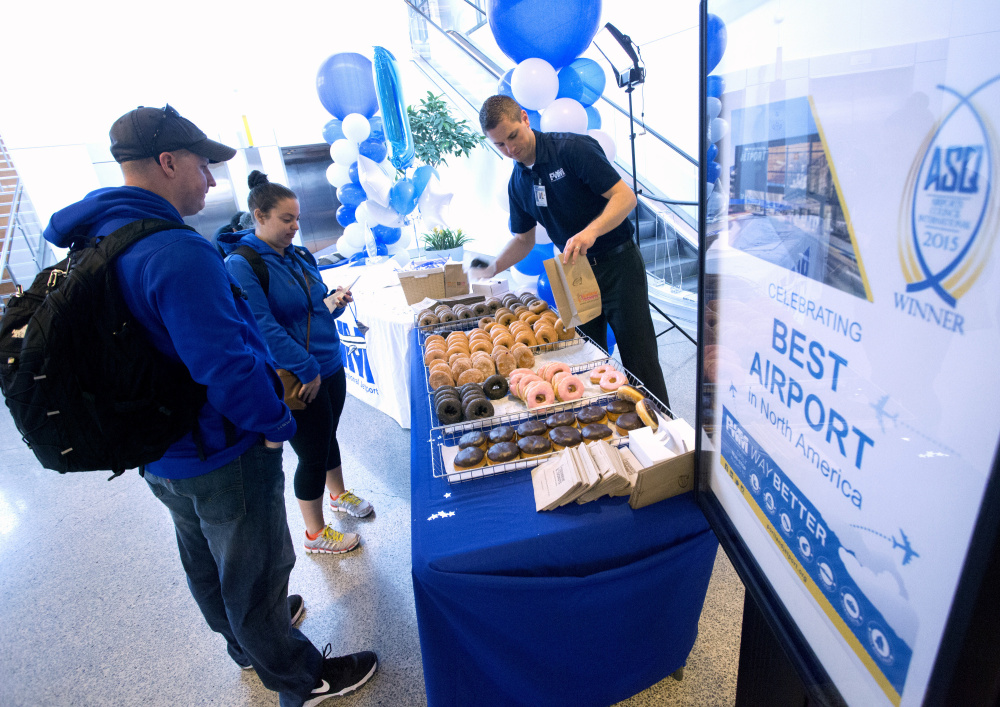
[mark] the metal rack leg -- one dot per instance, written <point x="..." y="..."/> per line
<point x="673" y="325"/>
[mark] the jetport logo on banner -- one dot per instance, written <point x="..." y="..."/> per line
<point x="948" y="220"/>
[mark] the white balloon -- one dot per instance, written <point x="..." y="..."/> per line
<point x="718" y="129"/>
<point x="355" y="235"/>
<point x="383" y="215"/>
<point x="337" y="175"/>
<point x="344" y="152"/>
<point x="534" y="83"/>
<point x="434" y="201"/>
<point x="361" y="213"/>
<point x="541" y="235"/>
<point x="607" y="143"/>
<point x="374" y="181"/>
<point x="345" y="247"/>
<point x="405" y="239"/>
<point x="564" y="115"/>
<point x="713" y="106"/>
<point x="356" y="127"/>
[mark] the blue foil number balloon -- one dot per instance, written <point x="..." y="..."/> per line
<point x="390" y="101"/>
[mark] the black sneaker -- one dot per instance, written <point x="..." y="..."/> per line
<point x="295" y="607"/>
<point x="342" y="675"/>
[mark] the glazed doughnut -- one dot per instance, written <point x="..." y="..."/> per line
<point x="446" y="316"/>
<point x="432" y="355"/>
<point x="559" y="327"/>
<point x="456" y="350"/>
<point x="478" y="409"/>
<point x="503" y="339"/>
<point x="538" y="394"/>
<point x="627" y="392"/>
<point x="537" y="307"/>
<point x="438" y="378"/>
<point x="449" y="410"/>
<point x="480" y="309"/>
<point x="546" y="335"/>
<point x="525" y="337"/>
<point x="495" y="387"/>
<point x="428" y="318"/>
<point x="549" y="316"/>
<point x="531" y="319"/>
<point x="595" y="375"/>
<point x="505" y="363"/>
<point x="434" y="338"/>
<point x="523" y="356"/>
<point x="569" y="388"/>
<point x="515" y="308"/>
<point x="480" y="345"/>
<point x="485" y="321"/>
<point x="493" y="304"/>
<point x="504" y="316"/>
<point x="472" y="375"/>
<point x="613" y="380"/>
<point x="456" y="336"/>
<point x="645" y="412"/>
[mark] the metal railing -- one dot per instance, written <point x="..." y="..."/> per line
<point x="24" y="251"/>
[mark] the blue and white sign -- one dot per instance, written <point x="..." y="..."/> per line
<point x="852" y="319"/>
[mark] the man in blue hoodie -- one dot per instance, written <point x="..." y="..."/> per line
<point x="222" y="483"/>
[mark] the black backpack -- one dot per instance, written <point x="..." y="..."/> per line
<point x="259" y="267"/>
<point x="86" y="388"/>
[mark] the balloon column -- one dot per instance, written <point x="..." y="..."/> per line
<point x="718" y="128"/>
<point x="369" y="152"/>
<point x="556" y="89"/>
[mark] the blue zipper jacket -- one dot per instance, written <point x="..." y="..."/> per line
<point x="283" y="315"/>
<point x="176" y="286"/>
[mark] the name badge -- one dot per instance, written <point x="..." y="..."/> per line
<point x="540" y="198"/>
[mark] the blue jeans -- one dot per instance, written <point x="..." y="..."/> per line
<point x="237" y="552"/>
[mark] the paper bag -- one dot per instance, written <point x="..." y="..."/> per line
<point x="577" y="295"/>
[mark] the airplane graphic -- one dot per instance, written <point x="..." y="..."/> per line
<point x="908" y="552"/>
<point x="732" y="389"/>
<point x="882" y="414"/>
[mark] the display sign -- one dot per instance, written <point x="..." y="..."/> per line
<point x="851" y="310"/>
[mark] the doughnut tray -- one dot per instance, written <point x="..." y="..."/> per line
<point x="444" y="439"/>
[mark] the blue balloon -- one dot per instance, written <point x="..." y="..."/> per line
<point x="333" y="131"/>
<point x="421" y="176"/>
<point x="351" y="194"/>
<point x="583" y="80"/>
<point x="612" y="342"/>
<point x="532" y="264"/>
<point x="557" y="31"/>
<point x="345" y="215"/>
<point x="352" y="172"/>
<point x="345" y="85"/>
<point x="712" y="171"/>
<point x="384" y="234"/>
<point x="715" y="86"/>
<point x="374" y="149"/>
<point x="715" y="40"/>
<point x="390" y="101"/>
<point x="593" y="118"/>
<point x="401" y="197"/>
<point x="545" y="290"/>
<point x="535" y="120"/>
<point x="503" y="87"/>
<point x="713" y="152"/>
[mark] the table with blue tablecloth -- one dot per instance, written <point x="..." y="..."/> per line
<point x="585" y="605"/>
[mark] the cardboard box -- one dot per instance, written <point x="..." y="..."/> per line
<point x="670" y="477"/>
<point x="456" y="282"/>
<point x="490" y="288"/>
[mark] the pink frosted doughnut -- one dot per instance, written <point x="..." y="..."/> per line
<point x="613" y="380"/>
<point x="597" y="373"/>
<point x="569" y="388"/>
<point x="518" y="371"/>
<point x="558" y="376"/>
<point x="553" y="368"/>
<point x="539" y="393"/>
<point x="522" y="385"/>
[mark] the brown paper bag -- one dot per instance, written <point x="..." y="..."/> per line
<point x="577" y="295"/>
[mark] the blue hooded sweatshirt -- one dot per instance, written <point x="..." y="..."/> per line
<point x="283" y="315"/>
<point x="176" y="286"/>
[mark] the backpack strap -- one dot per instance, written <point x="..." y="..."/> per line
<point x="117" y="242"/>
<point x="257" y="264"/>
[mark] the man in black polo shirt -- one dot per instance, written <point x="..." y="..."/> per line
<point x="564" y="182"/>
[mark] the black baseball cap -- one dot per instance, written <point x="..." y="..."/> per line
<point x="146" y="132"/>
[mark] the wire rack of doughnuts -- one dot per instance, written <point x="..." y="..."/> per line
<point x="478" y="446"/>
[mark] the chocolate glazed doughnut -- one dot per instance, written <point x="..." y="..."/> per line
<point x="495" y="387"/>
<point x="449" y="410"/>
<point x="478" y="409"/>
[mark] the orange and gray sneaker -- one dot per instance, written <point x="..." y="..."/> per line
<point x="331" y="542"/>
<point x="347" y="502"/>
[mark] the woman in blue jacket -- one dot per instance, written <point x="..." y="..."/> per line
<point x="289" y="318"/>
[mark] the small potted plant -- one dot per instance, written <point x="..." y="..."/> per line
<point x="446" y="243"/>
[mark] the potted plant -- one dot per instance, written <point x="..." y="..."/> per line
<point x="436" y="135"/>
<point x="446" y="243"/>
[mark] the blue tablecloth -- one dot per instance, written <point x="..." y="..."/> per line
<point x="584" y="605"/>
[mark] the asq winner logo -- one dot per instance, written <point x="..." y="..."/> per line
<point x="948" y="220"/>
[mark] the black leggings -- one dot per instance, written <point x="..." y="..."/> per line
<point x="315" y="440"/>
